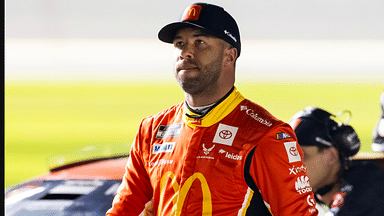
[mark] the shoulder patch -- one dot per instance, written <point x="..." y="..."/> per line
<point x="280" y="136"/>
<point x="292" y="152"/>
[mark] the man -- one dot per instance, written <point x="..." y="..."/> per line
<point x="347" y="187"/>
<point x="216" y="153"/>
<point x="378" y="132"/>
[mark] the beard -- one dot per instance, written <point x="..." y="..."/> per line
<point x="206" y="80"/>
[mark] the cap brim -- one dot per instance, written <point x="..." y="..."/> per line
<point x="168" y="32"/>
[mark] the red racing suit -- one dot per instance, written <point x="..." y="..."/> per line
<point x="180" y="165"/>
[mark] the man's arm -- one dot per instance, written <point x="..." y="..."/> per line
<point x="280" y="174"/>
<point x="135" y="192"/>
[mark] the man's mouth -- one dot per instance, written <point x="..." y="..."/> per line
<point x="187" y="67"/>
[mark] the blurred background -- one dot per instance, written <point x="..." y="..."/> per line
<point x="81" y="74"/>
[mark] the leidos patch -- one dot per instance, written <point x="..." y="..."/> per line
<point x="163" y="148"/>
<point x="191" y="13"/>
<point x="225" y="134"/>
<point x="292" y="152"/>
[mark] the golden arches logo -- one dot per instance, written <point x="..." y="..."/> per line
<point x="178" y="200"/>
<point x="192" y="10"/>
<point x="191" y="13"/>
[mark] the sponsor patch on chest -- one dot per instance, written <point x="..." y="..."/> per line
<point x="232" y="156"/>
<point x="163" y="148"/>
<point x="172" y="130"/>
<point x="225" y="134"/>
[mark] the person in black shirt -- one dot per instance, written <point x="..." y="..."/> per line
<point x="345" y="186"/>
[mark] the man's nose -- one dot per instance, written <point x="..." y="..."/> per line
<point x="188" y="51"/>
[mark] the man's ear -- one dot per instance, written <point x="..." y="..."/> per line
<point x="231" y="54"/>
<point x="332" y="155"/>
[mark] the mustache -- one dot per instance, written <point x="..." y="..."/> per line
<point x="186" y="64"/>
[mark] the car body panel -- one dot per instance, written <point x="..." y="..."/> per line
<point x="82" y="188"/>
<point x="103" y="169"/>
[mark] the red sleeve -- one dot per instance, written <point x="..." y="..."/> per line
<point x="280" y="174"/>
<point x="135" y="192"/>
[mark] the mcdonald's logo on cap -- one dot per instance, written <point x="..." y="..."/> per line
<point x="191" y="13"/>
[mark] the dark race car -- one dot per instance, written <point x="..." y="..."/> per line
<point x="81" y="188"/>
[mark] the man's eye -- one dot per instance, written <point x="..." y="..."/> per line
<point x="198" y="42"/>
<point x="179" y="44"/>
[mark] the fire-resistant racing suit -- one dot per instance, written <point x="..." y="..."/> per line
<point x="215" y="165"/>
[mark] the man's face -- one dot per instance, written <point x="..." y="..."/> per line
<point x="198" y="60"/>
<point x="320" y="168"/>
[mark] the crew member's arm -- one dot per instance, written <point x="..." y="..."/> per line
<point x="135" y="192"/>
<point x="280" y="174"/>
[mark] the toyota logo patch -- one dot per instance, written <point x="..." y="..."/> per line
<point x="225" y="134"/>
